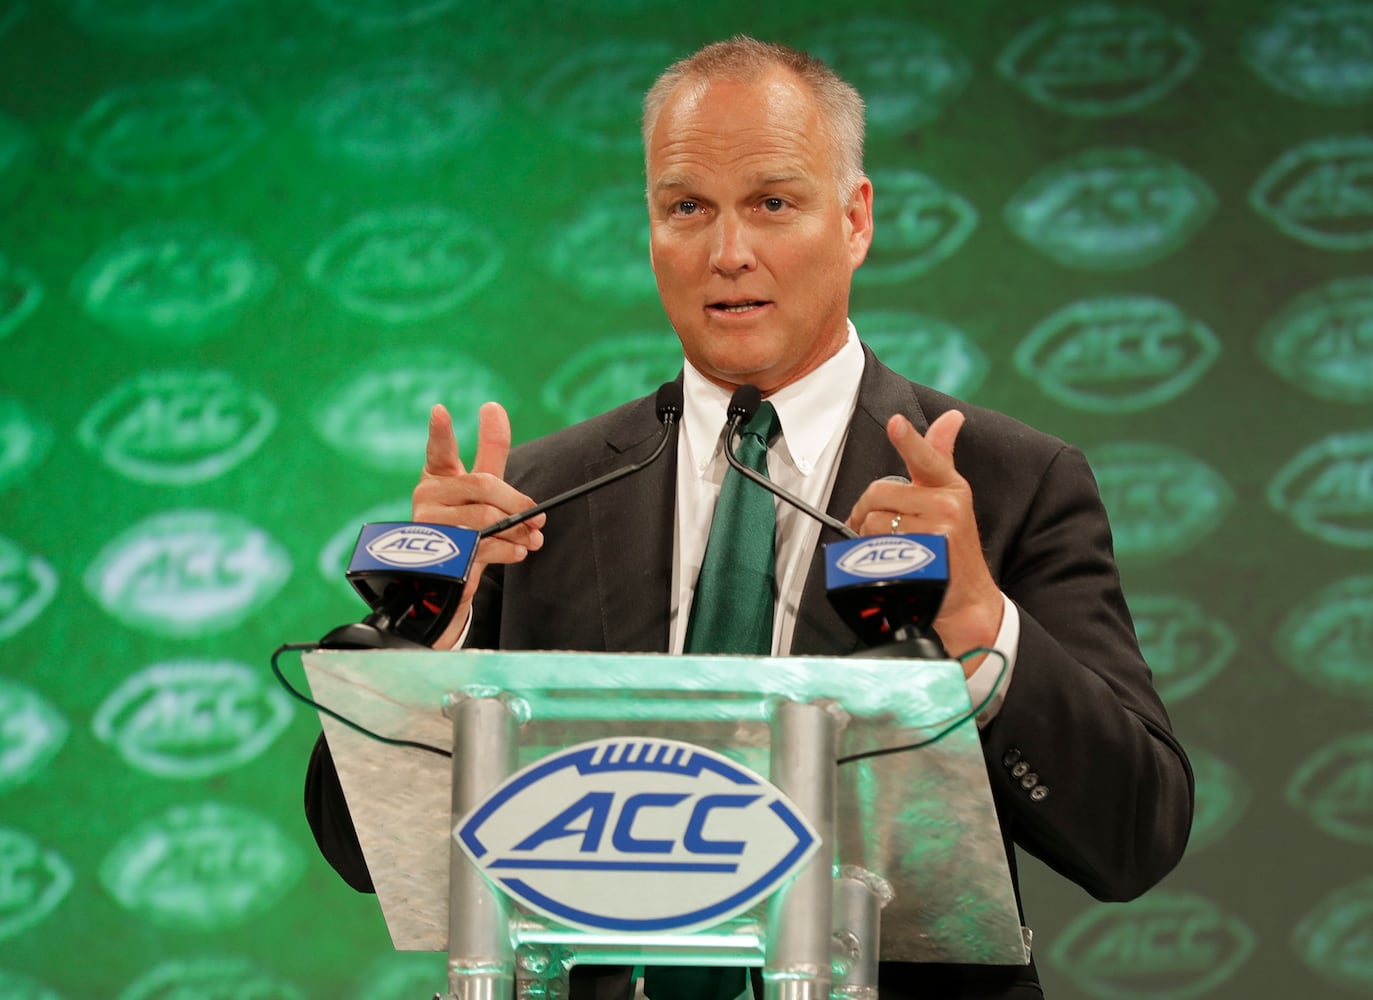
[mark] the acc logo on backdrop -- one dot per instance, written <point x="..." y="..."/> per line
<point x="149" y="23"/>
<point x="917" y="223"/>
<point x="164" y="134"/>
<point x="1221" y="798"/>
<point x="1336" y="938"/>
<point x="400" y="976"/>
<point x="604" y="252"/>
<point x="906" y="73"/>
<point x="1099" y="59"/>
<point x="1318" y="52"/>
<point x="1162" y="501"/>
<point x="1334" y="786"/>
<point x="1166" y="944"/>
<point x="27" y="584"/>
<point x="633" y="365"/>
<point x="403" y="264"/>
<point x="1110" y="209"/>
<point x="400" y="113"/>
<point x="380" y="414"/>
<point x="192" y="718"/>
<point x="16" y="987"/>
<point x="20" y="293"/>
<point x="172" y="283"/>
<point x="1328" y="638"/>
<point x="1322" y="341"/>
<point x="33" y="880"/>
<point x="1318" y="192"/>
<point x="385" y="15"/>
<point x="926" y="349"/>
<point x="210" y="978"/>
<point x="31" y="733"/>
<point x="177" y="427"/>
<point x="1327" y="489"/>
<point x="1184" y="647"/>
<point x="1117" y="354"/>
<point x="185" y="573"/>
<point x="637" y="835"/>
<point x="592" y="96"/>
<point x="24" y="440"/>
<point x="17" y="147"/>
<point x="201" y="867"/>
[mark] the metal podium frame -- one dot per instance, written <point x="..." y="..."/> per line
<point x="914" y="832"/>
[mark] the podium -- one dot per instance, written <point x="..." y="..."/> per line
<point x="907" y="862"/>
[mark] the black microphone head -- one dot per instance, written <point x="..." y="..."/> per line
<point x="744" y="403"/>
<point x="668" y="403"/>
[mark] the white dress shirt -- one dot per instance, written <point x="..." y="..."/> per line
<point x="815" y="413"/>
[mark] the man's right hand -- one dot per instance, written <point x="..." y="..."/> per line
<point x="448" y="493"/>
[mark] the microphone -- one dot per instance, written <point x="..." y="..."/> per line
<point x="742" y="406"/>
<point x="887" y="588"/>
<point x="412" y="574"/>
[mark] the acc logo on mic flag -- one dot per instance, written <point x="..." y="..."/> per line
<point x="886" y="557"/>
<point x="637" y="835"/>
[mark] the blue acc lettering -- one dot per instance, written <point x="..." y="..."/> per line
<point x="590" y="816"/>
<point x="428" y="544"/>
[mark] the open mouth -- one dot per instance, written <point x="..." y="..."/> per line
<point x="737" y="307"/>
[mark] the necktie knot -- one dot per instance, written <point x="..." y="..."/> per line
<point x="764" y="424"/>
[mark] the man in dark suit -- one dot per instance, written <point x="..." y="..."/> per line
<point x="759" y="214"/>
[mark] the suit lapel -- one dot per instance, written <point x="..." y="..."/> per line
<point x="867" y="456"/>
<point x="632" y="523"/>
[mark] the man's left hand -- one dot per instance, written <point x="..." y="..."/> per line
<point x="938" y="501"/>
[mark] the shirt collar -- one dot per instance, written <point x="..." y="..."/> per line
<point x="813" y="409"/>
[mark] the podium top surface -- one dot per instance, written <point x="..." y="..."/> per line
<point x="883" y="702"/>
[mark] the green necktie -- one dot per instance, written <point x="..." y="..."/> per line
<point x="731" y="613"/>
<point x="732" y="609"/>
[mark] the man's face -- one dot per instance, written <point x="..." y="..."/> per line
<point x="752" y="247"/>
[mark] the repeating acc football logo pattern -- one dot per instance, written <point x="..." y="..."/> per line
<point x="1088" y="263"/>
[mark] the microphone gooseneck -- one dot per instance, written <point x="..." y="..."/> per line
<point x="668" y="406"/>
<point x="742" y="406"/>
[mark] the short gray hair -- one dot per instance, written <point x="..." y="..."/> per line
<point x="743" y="59"/>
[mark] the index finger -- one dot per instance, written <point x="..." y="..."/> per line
<point x="928" y="458"/>
<point x="441" y="449"/>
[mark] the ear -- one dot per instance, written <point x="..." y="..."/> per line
<point x="858" y="214"/>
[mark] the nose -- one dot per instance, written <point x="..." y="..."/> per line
<point x="732" y="250"/>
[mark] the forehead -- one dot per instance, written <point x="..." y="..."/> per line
<point x="740" y="128"/>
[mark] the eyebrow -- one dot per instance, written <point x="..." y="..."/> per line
<point x="672" y="182"/>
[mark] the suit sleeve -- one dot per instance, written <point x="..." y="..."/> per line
<point x="1082" y="758"/>
<point x="326" y="810"/>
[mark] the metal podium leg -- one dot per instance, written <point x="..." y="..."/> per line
<point x="797" y="961"/>
<point x="858" y="900"/>
<point x="481" y="960"/>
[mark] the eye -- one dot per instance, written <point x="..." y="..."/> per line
<point x="686" y="207"/>
<point x="773" y="204"/>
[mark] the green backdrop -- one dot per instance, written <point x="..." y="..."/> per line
<point x="245" y="244"/>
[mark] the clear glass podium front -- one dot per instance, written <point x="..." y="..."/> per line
<point x="908" y="866"/>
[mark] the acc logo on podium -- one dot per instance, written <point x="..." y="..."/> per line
<point x="637" y="835"/>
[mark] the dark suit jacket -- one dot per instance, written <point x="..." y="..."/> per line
<point x="1081" y="710"/>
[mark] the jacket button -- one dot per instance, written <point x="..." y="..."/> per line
<point x="1020" y="770"/>
<point x="1010" y="758"/>
<point x="1030" y="780"/>
<point x="1039" y="793"/>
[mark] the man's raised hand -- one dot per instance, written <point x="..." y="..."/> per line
<point x="938" y="501"/>
<point x="448" y="493"/>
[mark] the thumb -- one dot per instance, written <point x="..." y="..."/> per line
<point x="944" y="432"/>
